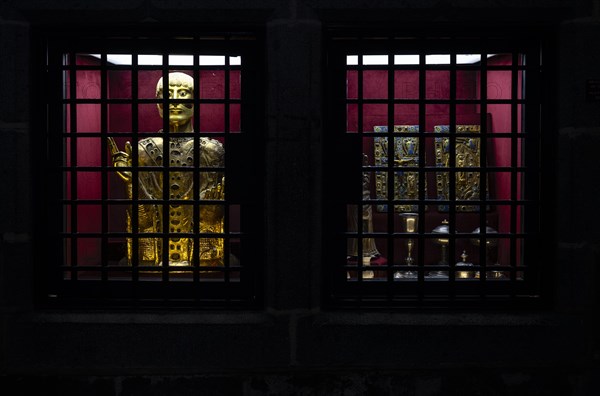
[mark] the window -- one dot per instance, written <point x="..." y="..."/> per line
<point x="148" y="146"/>
<point x="434" y="171"/>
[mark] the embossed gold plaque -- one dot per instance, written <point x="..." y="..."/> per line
<point x="467" y="155"/>
<point x="406" y="154"/>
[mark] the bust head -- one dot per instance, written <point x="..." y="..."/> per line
<point x="181" y="86"/>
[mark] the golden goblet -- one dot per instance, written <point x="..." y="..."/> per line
<point x="443" y="230"/>
<point x="410" y="224"/>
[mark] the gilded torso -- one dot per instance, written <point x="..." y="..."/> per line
<point x="151" y="153"/>
<point x="179" y="156"/>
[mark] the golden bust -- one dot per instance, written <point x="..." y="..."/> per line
<point x="181" y="154"/>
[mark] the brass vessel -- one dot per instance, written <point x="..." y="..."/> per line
<point x="491" y="250"/>
<point x="462" y="266"/>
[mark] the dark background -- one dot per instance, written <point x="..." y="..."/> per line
<point x="293" y="344"/>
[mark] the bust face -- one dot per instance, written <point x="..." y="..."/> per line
<point x="181" y="86"/>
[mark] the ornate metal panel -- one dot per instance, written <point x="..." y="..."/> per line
<point x="467" y="153"/>
<point x="406" y="154"/>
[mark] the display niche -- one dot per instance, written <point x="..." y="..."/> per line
<point x="135" y="151"/>
<point x="447" y="174"/>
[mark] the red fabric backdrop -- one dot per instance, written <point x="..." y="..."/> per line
<point x="119" y="119"/>
<point x="406" y="86"/>
<point x="212" y="120"/>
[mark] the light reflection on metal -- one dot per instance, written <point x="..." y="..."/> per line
<point x="181" y="154"/>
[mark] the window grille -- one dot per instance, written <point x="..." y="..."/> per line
<point x="144" y="165"/>
<point x="434" y="171"/>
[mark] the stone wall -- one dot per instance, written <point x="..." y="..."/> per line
<point x="291" y="345"/>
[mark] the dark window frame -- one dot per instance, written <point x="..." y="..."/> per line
<point x="345" y="151"/>
<point x="244" y="160"/>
